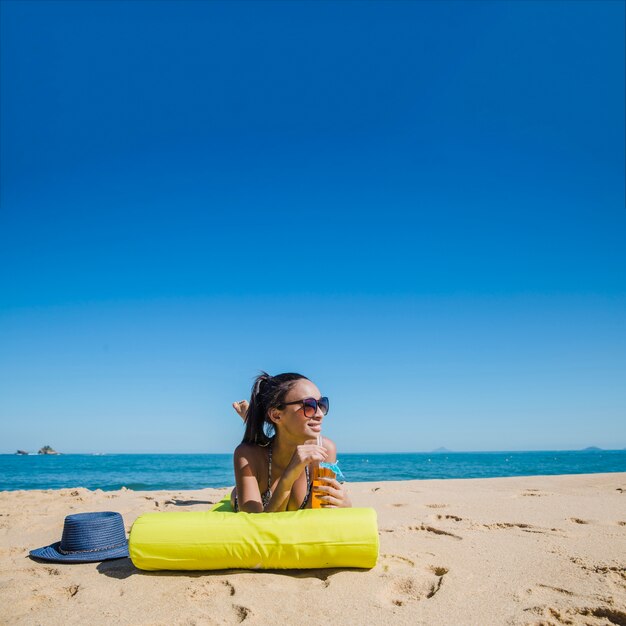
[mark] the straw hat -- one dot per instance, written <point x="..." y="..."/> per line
<point x="88" y="537"/>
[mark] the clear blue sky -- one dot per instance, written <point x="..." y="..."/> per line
<point x="418" y="205"/>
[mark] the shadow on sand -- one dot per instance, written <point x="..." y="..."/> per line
<point x="176" y="502"/>
<point x="124" y="568"/>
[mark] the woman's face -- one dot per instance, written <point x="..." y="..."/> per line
<point x="291" y="417"/>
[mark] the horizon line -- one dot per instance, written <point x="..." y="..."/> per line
<point x="437" y="451"/>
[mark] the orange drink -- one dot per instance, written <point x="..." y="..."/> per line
<point x="319" y="472"/>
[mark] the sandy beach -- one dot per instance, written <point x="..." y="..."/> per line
<point x="527" y="550"/>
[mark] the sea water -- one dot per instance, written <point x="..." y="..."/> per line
<point x="196" y="471"/>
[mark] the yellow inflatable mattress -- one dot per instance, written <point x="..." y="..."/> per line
<point x="222" y="539"/>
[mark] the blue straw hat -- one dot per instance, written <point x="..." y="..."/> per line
<point x="88" y="537"/>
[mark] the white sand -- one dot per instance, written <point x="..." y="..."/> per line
<point x="529" y="550"/>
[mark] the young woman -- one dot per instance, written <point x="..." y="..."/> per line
<point x="281" y="447"/>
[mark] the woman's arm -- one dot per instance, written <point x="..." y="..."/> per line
<point x="304" y="455"/>
<point x="282" y="493"/>
<point x="248" y="494"/>
<point x="247" y="461"/>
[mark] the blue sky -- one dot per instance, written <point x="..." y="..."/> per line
<point x="418" y="205"/>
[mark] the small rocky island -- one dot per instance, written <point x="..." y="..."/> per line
<point x="22" y="453"/>
<point x="47" y="450"/>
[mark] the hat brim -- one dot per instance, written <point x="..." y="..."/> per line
<point x="51" y="553"/>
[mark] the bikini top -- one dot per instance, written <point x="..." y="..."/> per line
<point x="266" y="496"/>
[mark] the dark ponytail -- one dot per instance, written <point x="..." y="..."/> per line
<point x="268" y="392"/>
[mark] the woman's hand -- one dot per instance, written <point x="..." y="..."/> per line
<point x="334" y="494"/>
<point x="305" y="455"/>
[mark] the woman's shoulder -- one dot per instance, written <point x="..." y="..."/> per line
<point x="330" y="446"/>
<point x="249" y="452"/>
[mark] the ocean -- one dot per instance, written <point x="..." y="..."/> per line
<point x="196" y="471"/>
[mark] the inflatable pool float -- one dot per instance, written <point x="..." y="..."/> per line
<point x="223" y="539"/>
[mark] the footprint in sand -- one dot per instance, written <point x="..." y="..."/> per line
<point x="611" y="575"/>
<point x="40" y="572"/>
<point x="241" y="612"/>
<point x="560" y="590"/>
<point x="578" y="520"/>
<point x="437" y="506"/>
<point x="532" y="492"/>
<point x="210" y="588"/>
<point x="434" y="531"/>
<point x="508" y="525"/>
<point x="455" y="518"/>
<point x="389" y="560"/>
<point x="526" y="528"/>
<point x="541" y="596"/>
<point x="408" y="583"/>
<point x="590" y="616"/>
<point x="542" y="592"/>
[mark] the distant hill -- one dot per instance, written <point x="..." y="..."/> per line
<point x="442" y="450"/>
<point x="591" y="449"/>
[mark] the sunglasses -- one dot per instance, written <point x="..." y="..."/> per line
<point x="309" y="405"/>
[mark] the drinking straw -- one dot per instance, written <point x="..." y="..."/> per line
<point x="332" y="466"/>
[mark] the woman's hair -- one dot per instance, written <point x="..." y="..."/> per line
<point x="268" y="392"/>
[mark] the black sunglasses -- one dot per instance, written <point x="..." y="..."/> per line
<point x="309" y="405"/>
